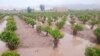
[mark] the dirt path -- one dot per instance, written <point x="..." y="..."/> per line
<point x="31" y="41"/>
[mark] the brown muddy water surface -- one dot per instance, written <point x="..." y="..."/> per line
<point x="2" y="27"/>
<point x="68" y="46"/>
<point x="32" y="44"/>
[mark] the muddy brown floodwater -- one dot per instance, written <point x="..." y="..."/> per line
<point x="2" y="27"/>
<point x="33" y="44"/>
<point x="72" y="46"/>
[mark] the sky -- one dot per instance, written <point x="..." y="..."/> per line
<point x="49" y="3"/>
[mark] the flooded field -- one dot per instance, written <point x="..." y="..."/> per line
<point x="3" y="24"/>
<point x="73" y="46"/>
<point x="68" y="46"/>
<point x="2" y="27"/>
<point x="49" y="27"/>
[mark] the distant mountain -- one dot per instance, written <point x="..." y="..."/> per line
<point x="82" y="6"/>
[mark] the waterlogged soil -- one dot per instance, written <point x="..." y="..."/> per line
<point x="35" y="44"/>
<point x="31" y="41"/>
<point x="2" y="27"/>
<point x="3" y="47"/>
<point x="3" y="24"/>
<point x="73" y="46"/>
<point x="86" y="33"/>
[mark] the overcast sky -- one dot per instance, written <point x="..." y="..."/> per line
<point x="36" y="3"/>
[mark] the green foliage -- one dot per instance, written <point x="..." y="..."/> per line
<point x="92" y="51"/>
<point x="60" y="24"/>
<point x="13" y="43"/>
<point x="1" y="16"/>
<point x="9" y="36"/>
<point x="93" y="21"/>
<point x="50" y="15"/>
<point x="46" y="29"/>
<point x="97" y="34"/>
<point x="49" y="20"/>
<point x="32" y="22"/>
<point x="39" y="28"/>
<point x="55" y="33"/>
<point x="10" y="53"/>
<point x="72" y="21"/>
<point x="11" y="25"/>
<point x="77" y="27"/>
<point x="83" y="18"/>
<point x="28" y="20"/>
<point x="6" y="35"/>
